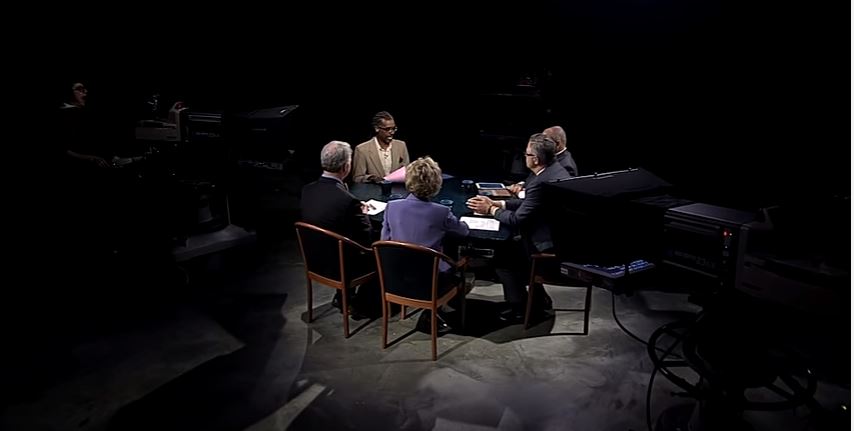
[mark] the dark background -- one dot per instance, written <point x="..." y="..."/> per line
<point x="738" y="105"/>
<point x="741" y="105"/>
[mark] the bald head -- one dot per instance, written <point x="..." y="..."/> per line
<point x="557" y="134"/>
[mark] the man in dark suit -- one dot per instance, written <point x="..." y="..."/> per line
<point x="529" y="218"/>
<point x="562" y="155"/>
<point x="328" y="203"/>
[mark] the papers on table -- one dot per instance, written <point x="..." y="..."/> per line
<point x="481" y="223"/>
<point x="397" y="176"/>
<point x="375" y="207"/>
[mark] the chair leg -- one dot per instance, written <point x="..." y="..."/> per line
<point x="587" y="309"/>
<point x="402" y="312"/>
<point x="345" y="310"/>
<point x="433" y="330"/>
<point x="529" y="305"/>
<point x="309" y="301"/>
<point x="463" y="308"/>
<point x="386" y="312"/>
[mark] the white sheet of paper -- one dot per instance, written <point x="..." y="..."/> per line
<point x="481" y="223"/>
<point x="377" y="207"/>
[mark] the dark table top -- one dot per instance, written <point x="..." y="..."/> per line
<point x="451" y="189"/>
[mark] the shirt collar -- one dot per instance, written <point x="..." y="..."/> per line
<point x="379" y="147"/>
<point x="330" y="176"/>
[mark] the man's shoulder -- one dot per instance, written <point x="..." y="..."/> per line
<point x="565" y="159"/>
<point x="365" y="144"/>
<point x="555" y="171"/>
<point x="322" y="183"/>
<point x="318" y="182"/>
<point x="398" y="142"/>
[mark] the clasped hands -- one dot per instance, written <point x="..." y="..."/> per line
<point x="481" y="205"/>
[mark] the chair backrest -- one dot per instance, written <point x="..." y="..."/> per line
<point x="326" y="253"/>
<point x="408" y="270"/>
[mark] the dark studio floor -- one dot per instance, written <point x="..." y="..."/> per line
<point x="232" y="351"/>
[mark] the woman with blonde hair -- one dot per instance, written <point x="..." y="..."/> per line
<point x="418" y="220"/>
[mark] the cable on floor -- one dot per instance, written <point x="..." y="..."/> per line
<point x="626" y="330"/>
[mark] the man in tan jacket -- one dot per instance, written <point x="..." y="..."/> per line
<point x="382" y="155"/>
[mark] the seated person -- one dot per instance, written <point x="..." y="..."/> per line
<point x="528" y="217"/>
<point x="562" y="156"/>
<point x="381" y="155"/>
<point x="417" y="220"/>
<point x="328" y="203"/>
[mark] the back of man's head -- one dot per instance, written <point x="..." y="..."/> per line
<point x="557" y="134"/>
<point x="543" y="147"/>
<point x="335" y="155"/>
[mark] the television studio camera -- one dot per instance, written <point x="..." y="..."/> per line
<point x="756" y="276"/>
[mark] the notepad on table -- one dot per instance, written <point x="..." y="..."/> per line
<point x="481" y="223"/>
<point x="375" y="207"/>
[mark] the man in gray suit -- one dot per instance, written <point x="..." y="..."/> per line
<point x="381" y="155"/>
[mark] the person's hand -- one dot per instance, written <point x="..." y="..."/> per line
<point x="480" y="204"/>
<point x="99" y="162"/>
<point x="515" y="188"/>
<point x="366" y="207"/>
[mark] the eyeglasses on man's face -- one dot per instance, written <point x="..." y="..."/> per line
<point x="388" y="129"/>
<point x="530" y="155"/>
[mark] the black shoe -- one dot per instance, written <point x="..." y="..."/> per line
<point x="512" y="315"/>
<point x="423" y="324"/>
<point x="546" y="302"/>
<point x="356" y="314"/>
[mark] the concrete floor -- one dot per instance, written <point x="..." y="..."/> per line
<point x="235" y="353"/>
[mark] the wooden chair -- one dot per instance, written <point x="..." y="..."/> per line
<point x="538" y="277"/>
<point x="409" y="276"/>
<point x="329" y="259"/>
